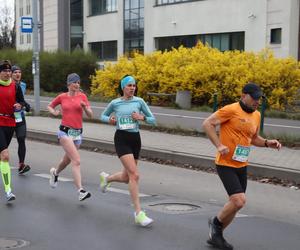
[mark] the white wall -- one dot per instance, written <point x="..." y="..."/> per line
<point x="106" y="27"/>
<point x="294" y="28"/>
<point x="285" y="15"/>
<point x="204" y="17"/>
<point x="255" y="17"/>
<point x="50" y="25"/>
<point x="26" y="45"/>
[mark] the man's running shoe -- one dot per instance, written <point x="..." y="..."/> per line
<point x="103" y="182"/>
<point x="142" y="219"/>
<point x="216" y="238"/>
<point x="10" y="196"/>
<point x="53" y="178"/>
<point x="83" y="195"/>
<point x="23" y="168"/>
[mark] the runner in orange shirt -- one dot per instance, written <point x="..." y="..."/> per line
<point x="239" y="129"/>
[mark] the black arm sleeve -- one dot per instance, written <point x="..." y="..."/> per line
<point x="27" y="106"/>
<point x="19" y="96"/>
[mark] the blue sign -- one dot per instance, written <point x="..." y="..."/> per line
<point x="26" y="24"/>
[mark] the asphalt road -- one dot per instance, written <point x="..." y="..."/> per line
<point x="179" y="200"/>
<point x="190" y="120"/>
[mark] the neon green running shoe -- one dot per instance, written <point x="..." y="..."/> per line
<point x="142" y="219"/>
<point x="103" y="182"/>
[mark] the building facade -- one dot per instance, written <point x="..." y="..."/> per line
<point x="111" y="28"/>
<point x="59" y="28"/>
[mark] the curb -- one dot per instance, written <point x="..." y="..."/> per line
<point x="198" y="161"/>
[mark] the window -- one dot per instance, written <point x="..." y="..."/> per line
<point x="21" y="12"/>
<point x="221" y="41"/>
<point x="276" y="36"/>
<point x="21" y="38"/>
<point x="28" y="7"/>
<point x="28" y="36"/>
<point x="133" y="26"/>
<point x="104" y="50"/>
<point x="76" y="21"/>
<point x="98" y="7"/>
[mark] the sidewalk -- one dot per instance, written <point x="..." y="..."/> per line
<point x="196" y="151"/>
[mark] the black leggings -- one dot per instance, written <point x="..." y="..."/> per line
<point x="21" y="149"/>
<point x="21" y="136"/>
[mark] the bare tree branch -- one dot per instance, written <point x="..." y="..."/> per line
<point x="7" y="27"/>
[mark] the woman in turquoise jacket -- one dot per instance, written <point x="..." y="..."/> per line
<point x="126" y="112"/>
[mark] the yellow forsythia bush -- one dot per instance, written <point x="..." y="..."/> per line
<point x="204" y="71"/>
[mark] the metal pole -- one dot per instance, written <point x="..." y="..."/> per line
<point x="215" y="105"/>
<point x="262" y="114"/>
<point x="36" y="58"/>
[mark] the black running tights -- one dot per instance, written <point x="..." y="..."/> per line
<point x="21" y="149"/>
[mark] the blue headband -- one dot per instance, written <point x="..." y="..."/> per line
<point x="127" y="80"/>
<point x="73" y="77"/>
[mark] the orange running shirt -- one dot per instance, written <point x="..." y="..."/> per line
<point x="237" y="128"/>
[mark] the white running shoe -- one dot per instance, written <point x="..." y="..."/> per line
<point x="103" y="182"/>
<point x="83" y="195"/>
<point x="53" y="181"/>
<point x="10" y="196"/>
<point x="142" y="219"/>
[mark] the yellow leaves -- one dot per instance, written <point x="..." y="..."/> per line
<point x="204" y="71"/>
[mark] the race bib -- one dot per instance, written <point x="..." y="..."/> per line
<point x="126" y="122"/>
<point x="74" y="134"/>
<point x="241" y="153"/>
<point x="18" y="116"/>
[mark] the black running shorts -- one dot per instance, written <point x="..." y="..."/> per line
<point x="127" y="143"/>
<point x="234" y="179"/>
<point x="6" y="134"/>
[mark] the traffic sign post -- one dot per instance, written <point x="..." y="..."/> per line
<point x="26" y="24"/>
<point x="31" y="25"/>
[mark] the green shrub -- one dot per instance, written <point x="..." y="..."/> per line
<point x="54" y="67"/>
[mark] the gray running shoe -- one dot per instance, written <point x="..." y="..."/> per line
<point x="83" y="195"/>
<point x="10" y="196"/>
<point x="53" y="181"/>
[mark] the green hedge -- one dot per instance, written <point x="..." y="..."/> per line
<point x="54" y="67"/>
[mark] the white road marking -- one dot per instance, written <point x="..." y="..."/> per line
<point x="280" y="126"/>
<point x="181" y="116"/>
<point x="47" y="176"/>
<point x="111" y="189"/>
<point x="241" y="215"/>
<point x="121" y="191"/>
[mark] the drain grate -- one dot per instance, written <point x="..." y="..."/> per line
<point x="10" y="243"/>
<point x="175" y="207"/>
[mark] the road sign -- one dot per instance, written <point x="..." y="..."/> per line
<point x="26" y="24"/>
